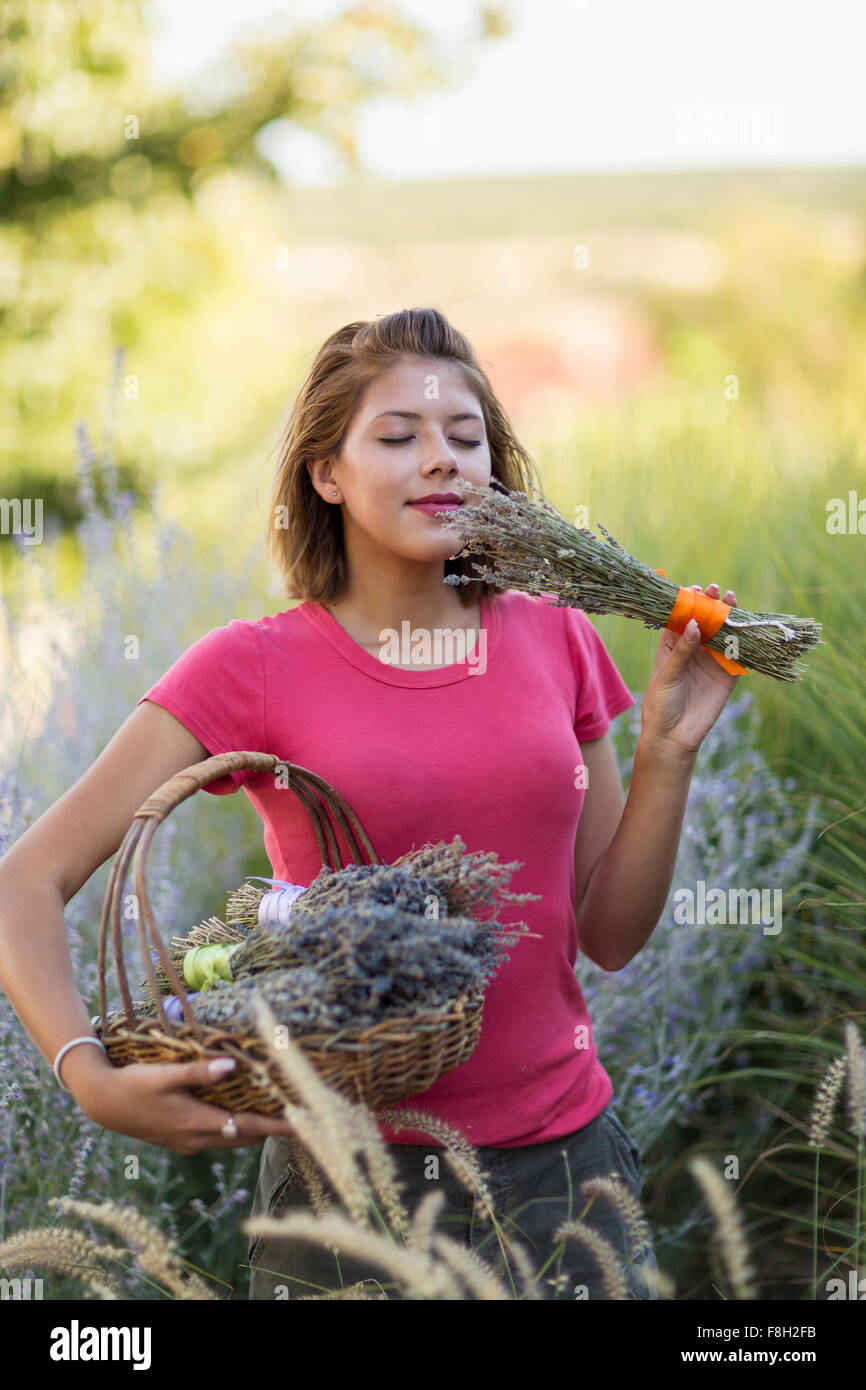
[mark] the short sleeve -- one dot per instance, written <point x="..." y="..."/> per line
<point x="601" y="691"/>
<point x="216" y="690"/>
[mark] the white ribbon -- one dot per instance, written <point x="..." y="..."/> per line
<point x="275" y="907"/>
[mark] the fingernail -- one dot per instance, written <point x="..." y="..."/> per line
<point x="692" y="629"/>
<point x="220" y="1065"/>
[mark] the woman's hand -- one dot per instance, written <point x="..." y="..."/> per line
<point x="688" y="689"/>
<point x="149" y="1100"/>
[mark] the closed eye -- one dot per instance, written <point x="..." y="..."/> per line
<point x="472" y="443"/>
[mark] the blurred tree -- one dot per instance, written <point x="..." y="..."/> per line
<point x="100" y="243"/>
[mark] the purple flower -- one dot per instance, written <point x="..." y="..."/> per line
<point x="174" y="1009"/>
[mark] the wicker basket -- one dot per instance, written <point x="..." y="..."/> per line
<point x="373" y="1066"/>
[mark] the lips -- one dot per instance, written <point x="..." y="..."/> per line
<point x="437" y="500"/>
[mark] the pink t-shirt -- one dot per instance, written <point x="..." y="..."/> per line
<point x="487" y="748"/>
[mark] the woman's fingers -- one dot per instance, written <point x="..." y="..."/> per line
<point x="153" y="1101"/>
<point x="712" y="591"/>
<point x="199" y="1073"/>
<point x="251" y="1128"/>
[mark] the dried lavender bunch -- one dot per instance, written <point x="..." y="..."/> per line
<point x="349" y="938"/>
<point x="213" y="930"/>
<point x="270" y="945"/>
<point x="458" y="881"/>
<point x="141" y="1008"/>
<point x="467" y="879"/>
<point x="535" y="549"/>
<point x="380" y="883"/>
<point x="300" y="998"/>
<point x="354" y="964"/>
<point x="440" y="876"/>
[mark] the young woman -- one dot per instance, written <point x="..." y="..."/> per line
<point x="508" y="746"/>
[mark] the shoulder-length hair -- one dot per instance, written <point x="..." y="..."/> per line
<point x="307" y="546"/>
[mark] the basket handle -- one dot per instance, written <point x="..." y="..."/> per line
<point x="311" y="790"/>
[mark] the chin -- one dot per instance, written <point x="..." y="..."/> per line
<point x="444" y="548"/>
<point x="437" y="546"/>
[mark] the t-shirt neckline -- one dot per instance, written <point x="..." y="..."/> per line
<point x="370" y="665"/>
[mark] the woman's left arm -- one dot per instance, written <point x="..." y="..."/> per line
<point x="620" y="898"/>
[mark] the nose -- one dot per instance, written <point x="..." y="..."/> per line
<point x="441" y="457"/>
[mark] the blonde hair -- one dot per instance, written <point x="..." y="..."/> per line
<point x="308" y="552"/>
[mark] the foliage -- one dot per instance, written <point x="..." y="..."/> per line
<point x="110" y="187"/>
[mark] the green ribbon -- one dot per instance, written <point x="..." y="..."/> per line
<point x="206" y="966"/>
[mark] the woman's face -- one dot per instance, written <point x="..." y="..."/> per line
<point x="417" y="427"/>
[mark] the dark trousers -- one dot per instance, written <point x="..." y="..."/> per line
<point x="534" y="1188"/>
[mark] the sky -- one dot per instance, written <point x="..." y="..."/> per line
<point x="580" y="85"/>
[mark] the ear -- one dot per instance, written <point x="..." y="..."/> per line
<point x="319" y="470"/>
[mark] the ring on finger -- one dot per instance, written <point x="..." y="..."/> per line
<point x="230" y="1129"/>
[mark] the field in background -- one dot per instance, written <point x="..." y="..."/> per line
<point x="697" y="383"/>
<point x="682" y="353"/>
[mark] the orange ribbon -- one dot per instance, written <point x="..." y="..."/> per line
<point x="709" y="614"/>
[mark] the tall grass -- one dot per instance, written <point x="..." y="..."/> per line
<point x="412" y="1259"/>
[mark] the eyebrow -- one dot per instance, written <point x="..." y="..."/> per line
<point x="413" y="415"/>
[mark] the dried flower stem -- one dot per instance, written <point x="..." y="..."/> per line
<point x="731" y="1236"/>
<point x="64" y="1251"/>
<point x="605" y="1254"/>
<point x="855" y="1068"/>
<point x="823" y="1108"/>
<point x="420" y="1274"/>
<point x="625" y="1202"/>
<point x="154" y="1253"/>
<point x="535" y="549"/>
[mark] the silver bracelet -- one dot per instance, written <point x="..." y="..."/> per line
<point x="73" y="1042"/>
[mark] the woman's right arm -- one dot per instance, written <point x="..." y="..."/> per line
<point x="42" y="871"/>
